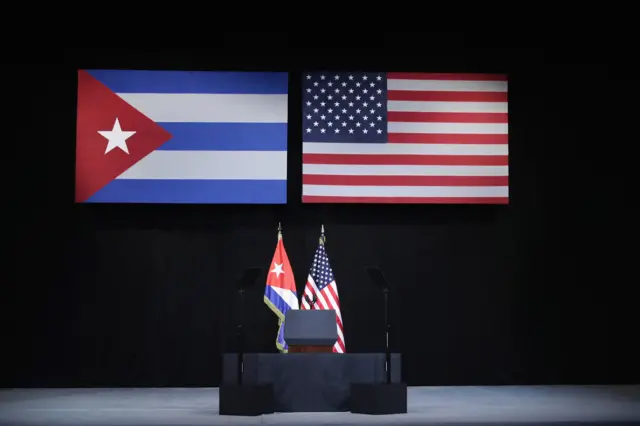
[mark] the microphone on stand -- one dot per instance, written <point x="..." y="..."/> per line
<point x="311" y="302"/>
<point x="380" y="398"/>
<point x="247" y="279"/>
<point x="377" y="277"/>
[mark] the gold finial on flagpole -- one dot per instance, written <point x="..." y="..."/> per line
<point x="279" y="230"/>
<point x="322" y="237"/>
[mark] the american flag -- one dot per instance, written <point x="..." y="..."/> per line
<point x="321" y="291"/>
<point x="374" y="137"/>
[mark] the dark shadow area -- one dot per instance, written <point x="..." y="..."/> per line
<point x="539" y="291"/>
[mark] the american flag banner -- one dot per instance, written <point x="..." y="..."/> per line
<point x="321" y="291"/>
<point x="375" y="137"/>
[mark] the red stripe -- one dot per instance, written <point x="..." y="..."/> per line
<point x="406" y="160"/>
<point x="338" y="321"/>
<point x="336" y="306"/>
<point x="333" y="294"/>
<point x="405" y="200"/>
<point x="447" y="138"/>
<point x="405" y="180"/>
<point x="319" y="304"/>
<point x="445" y="76"/>
<point x="322" y="304"/>
<point x="311" y="290"/>
<point x="423" y="95"/>
<point x="329" y="305"/>
<point x="448" y="117"/>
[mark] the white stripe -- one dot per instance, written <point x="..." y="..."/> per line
<point x="340" y="334"/>
<point x="325" y="297"/>
<point x="447" y="85"/>
<point x="405" y="191"/>
<point x="309" y="293"/>
<point x="449" y="128"/>
<point x="288" y="296"/>
<point x="423" y="106"/>
<point x="321" y="298"/>
<point x="307" y="290"/>
<point x="331" y="300"/>
<point x="209" y="108"/>
<point x="387" y="170"/>
<point x="210" y="165"/>
<point x="403" y="149"/>
<point x="330" y="303"/>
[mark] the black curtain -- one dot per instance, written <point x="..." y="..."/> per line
<point x="539" y="291"/>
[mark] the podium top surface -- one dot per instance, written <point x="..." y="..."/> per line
<point x="310" y="327"/>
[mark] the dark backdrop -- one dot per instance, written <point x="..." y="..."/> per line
<point x="539" y="291"/>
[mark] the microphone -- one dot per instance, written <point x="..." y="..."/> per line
<point x="311" y="302"/>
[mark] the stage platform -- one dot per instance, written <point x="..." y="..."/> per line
<point x="505" y="405"/>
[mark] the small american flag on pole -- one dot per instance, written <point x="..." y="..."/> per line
<point x="374" y="137"/>
<point x="321" y="291"/>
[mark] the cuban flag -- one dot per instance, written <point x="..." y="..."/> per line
<point x="280" y="293"/>
<point x="181" y="137"/>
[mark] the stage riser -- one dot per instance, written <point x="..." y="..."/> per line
<point x="311" y="382"/>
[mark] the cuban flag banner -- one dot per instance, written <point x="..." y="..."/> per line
<point x="280" y="293"/>
<point x="181" y="137"/>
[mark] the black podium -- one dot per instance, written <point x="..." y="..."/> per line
<point x="310" y="330"/>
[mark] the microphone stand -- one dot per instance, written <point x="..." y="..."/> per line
<point x="237" y="398"/>
<point x="380" y="397"/>
<point x="311" y="303"/>
<point x="249" y="277"/>
<point x="387" y="327"/>
<point x="240" y="336"/>
<point x="377" y="278"/>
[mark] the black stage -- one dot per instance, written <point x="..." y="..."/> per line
<point x="504" y="405"/>
<point x="313" y="381"/>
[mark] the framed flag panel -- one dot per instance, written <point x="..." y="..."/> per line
<point x="181" y="137"/>
<point x="375" y="137"/>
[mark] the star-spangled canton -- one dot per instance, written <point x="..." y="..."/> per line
<point x="345" y="107"/>
<point x="321" y="270"/>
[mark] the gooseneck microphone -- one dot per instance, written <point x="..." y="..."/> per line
<point x="311" y="302"/>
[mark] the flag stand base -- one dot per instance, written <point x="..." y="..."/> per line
<point x="379" y="398"/>
<point x="246" y="400"/>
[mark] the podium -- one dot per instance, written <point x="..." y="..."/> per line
<point x="312" y="331"/>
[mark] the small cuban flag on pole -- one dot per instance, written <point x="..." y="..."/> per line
<point x="280" y="293"/>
